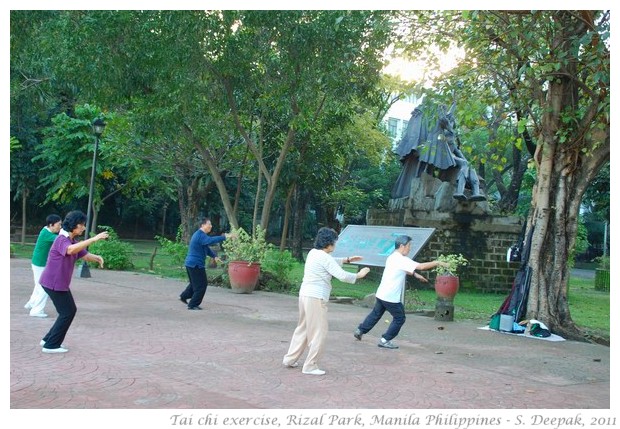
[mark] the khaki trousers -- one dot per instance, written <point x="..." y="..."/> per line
<point x="311" y="332"/>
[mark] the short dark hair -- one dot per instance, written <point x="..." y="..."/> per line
<point x="52" y="219"/>
<point x="401" y="240"/>
<point x="73" y="219"/>
<point x="203" y="220"/>
<point x="325" y="237"/>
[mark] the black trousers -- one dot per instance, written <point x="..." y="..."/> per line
<point x="396" y="309"/>
<point x="197" y="286"/>
<point x="65" y="306"/>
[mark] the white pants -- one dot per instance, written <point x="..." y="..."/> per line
<point x="311" y="332"/>
<point x="38" y="299"/>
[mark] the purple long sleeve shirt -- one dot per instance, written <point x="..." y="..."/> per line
<point x="60" y="265"/>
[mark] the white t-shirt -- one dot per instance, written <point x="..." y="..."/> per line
<point x="397" y="266"/>
<point x="318" y="271"/>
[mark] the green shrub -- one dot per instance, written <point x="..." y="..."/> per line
<point x="603" y="262"/>
<point x="115" y="253"/>
<point x="176" y="249"/>
<point x="276" y="267"/>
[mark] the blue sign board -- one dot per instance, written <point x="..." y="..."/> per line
<point x="376" y="243"/>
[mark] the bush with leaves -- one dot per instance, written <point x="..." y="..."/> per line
<point x="276" y="268"/>
<point x="176" y="249"/>
<point x="603" y="262"/>
<point x="116" y="254"/>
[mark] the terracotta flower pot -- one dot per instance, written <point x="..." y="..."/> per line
<point x="446" y="287"/>
<point x="243" y="276"/>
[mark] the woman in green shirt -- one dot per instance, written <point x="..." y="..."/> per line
<point x="48" y="234"/>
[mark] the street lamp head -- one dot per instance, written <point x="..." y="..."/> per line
<point x="98" y="126"/>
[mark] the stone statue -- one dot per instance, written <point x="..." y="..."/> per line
<point x="433" y="151"/>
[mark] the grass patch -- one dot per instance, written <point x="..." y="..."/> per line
<point x="589" y="308"/>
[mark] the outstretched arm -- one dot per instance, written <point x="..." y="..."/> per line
<point x="423" y="266"/>
<point x="80" y="245"/>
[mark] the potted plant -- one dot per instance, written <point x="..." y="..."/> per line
<point x="245" y="253"/>
<point x="447" y="281"/>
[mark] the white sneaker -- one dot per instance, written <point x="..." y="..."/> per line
<point x="38" y="314"/>
<point x="58" y="350"/>
<point x="291" y="365"/>
<point x="315" y="372"/>
<point x="27" y="306"/>
<point x="387" y="344"/>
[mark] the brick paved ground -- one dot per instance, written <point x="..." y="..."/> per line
<point x="133" y="345"/>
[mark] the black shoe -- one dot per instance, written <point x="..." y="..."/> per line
<point x="183" y="300"/>
<point x="358" y="334"/>
<point x="194" y="308"/>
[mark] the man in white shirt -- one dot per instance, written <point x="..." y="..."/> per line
<point x="390" y="291"/>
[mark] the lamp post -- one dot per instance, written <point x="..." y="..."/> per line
<point x="98" y="127"/>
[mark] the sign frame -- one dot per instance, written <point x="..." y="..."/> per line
<point x="376" y="243"/>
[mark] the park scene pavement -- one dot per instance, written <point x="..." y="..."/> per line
<point x="134" y="345"/>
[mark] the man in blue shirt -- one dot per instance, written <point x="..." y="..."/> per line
<point x="195" y="263"/>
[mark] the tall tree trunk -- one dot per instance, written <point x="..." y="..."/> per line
<point x="97" y="208"/>
<point x="24" y="201"/>
<point x="183" y="214"/>
<point x="188" y="209"/>
<point x="287" y="215"/>
<point x="239" y="183"/>
<point x="272" y="185"/>
<point x="564" y="172"/>
<point x="298" y="224"/>
<point x="163" y="220"/>
<point x="212" y="166"/>
<point x="259" y="185"/>
<point x="271" y="178"/>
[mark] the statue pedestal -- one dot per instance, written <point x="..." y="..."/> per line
<point x="431" y="194"/>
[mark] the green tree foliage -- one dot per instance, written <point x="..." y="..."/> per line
<point x="596" y="198"/>
<point x="199" y="72"/>
<point x="66" y="155"/>
<point x="14" y="144"/>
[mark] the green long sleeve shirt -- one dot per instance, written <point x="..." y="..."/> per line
<point x="42" y="247"/>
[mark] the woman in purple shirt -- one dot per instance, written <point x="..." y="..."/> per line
<point x="56" y="277"/>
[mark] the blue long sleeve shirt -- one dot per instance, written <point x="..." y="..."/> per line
<point x="199" y="249"/>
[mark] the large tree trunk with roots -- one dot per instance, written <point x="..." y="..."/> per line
<point x="564" y="172"/>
